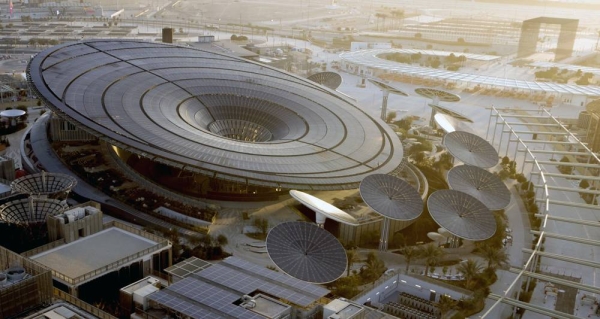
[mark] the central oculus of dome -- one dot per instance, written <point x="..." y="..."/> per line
<point x="241" y="130"/>
<point x="214" y="114"/>
<point x="243" y="118"/>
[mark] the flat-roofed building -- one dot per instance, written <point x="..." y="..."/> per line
<point x="133" y="298"/>
<point x="79" y="221"/>
<point x="24" y="284"/>
<point x="88" y="258"/>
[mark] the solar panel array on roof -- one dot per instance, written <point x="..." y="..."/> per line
<point x="188" y="267"/>
<point x="198" y="299"/>
<point x="307" y="252"/>
<point x="370" y="58"/>
<point x="198" y="110"/>
<point x="211" y="293"/>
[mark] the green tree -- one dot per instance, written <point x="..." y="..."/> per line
<point x="495" y="257"/>
<point x="446" y="304"/>
<point x="352" y="257"/>
<point x="405" y="123"/>
<point x="410" y="253"/>
<point x="584" y="184"/>
<point x="565" y="169"/>
<point x="398" y="240"/>
<point x="432" y="254"/>
<point x="222" y="240"/>
<point x="470" y="270"/>
<point x="262" y="224"/>
<point x="390" y="116"/>
<point x="370" y="238"/>
<point x="345" y="287"/>
<point x="374" y="267"/>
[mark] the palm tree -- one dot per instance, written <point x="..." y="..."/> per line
<point x="470" y="269"/>
<point x="397" y="15"/>
<point x="352" y="258"/>
<point x="432" y="254"/>
<point x="410" y="253"/>
<point x="446" y="304"/>
<point x="494" y="257"/>
<point x="378" y="16"/>
<point x="383" y="16"/>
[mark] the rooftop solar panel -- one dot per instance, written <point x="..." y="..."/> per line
<point x="271" y="128"/>
<point x="370" y="58"/>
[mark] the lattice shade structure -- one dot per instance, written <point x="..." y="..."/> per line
<point x="331" y="80"/>
<point x="213" y="114"/>
<point x="306" y="252"/>
<point x="27" y="211"/>
<point x="471" y="149"/>
<point x="48" y="184"/>
<point x="481" y="184"/>
<point x="461" y="214"/>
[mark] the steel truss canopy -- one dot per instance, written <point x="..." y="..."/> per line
<point x="323" y="209"/>
<point x="214" y="114"/>
<point x="386" y="87"/>
<point x="306" y="252"/>
<point x="391" y="197"/>
<point x="439" y="53"/>
<point x="570" y="67"/>
<point x="481" y="184"/>
<point x="461" y="214"/>
<point x="331" y="80"/>
<point x="370" y="58"/>
<point x="471" y="149"/>
<point x="568" y="228"/>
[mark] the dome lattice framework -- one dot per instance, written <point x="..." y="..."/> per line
<point x="214" y="114"/>
<point x="44" y="184"/>
<point x="29" y="210"/>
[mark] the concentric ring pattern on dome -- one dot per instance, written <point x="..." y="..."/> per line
<point x="214" y="114"/>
